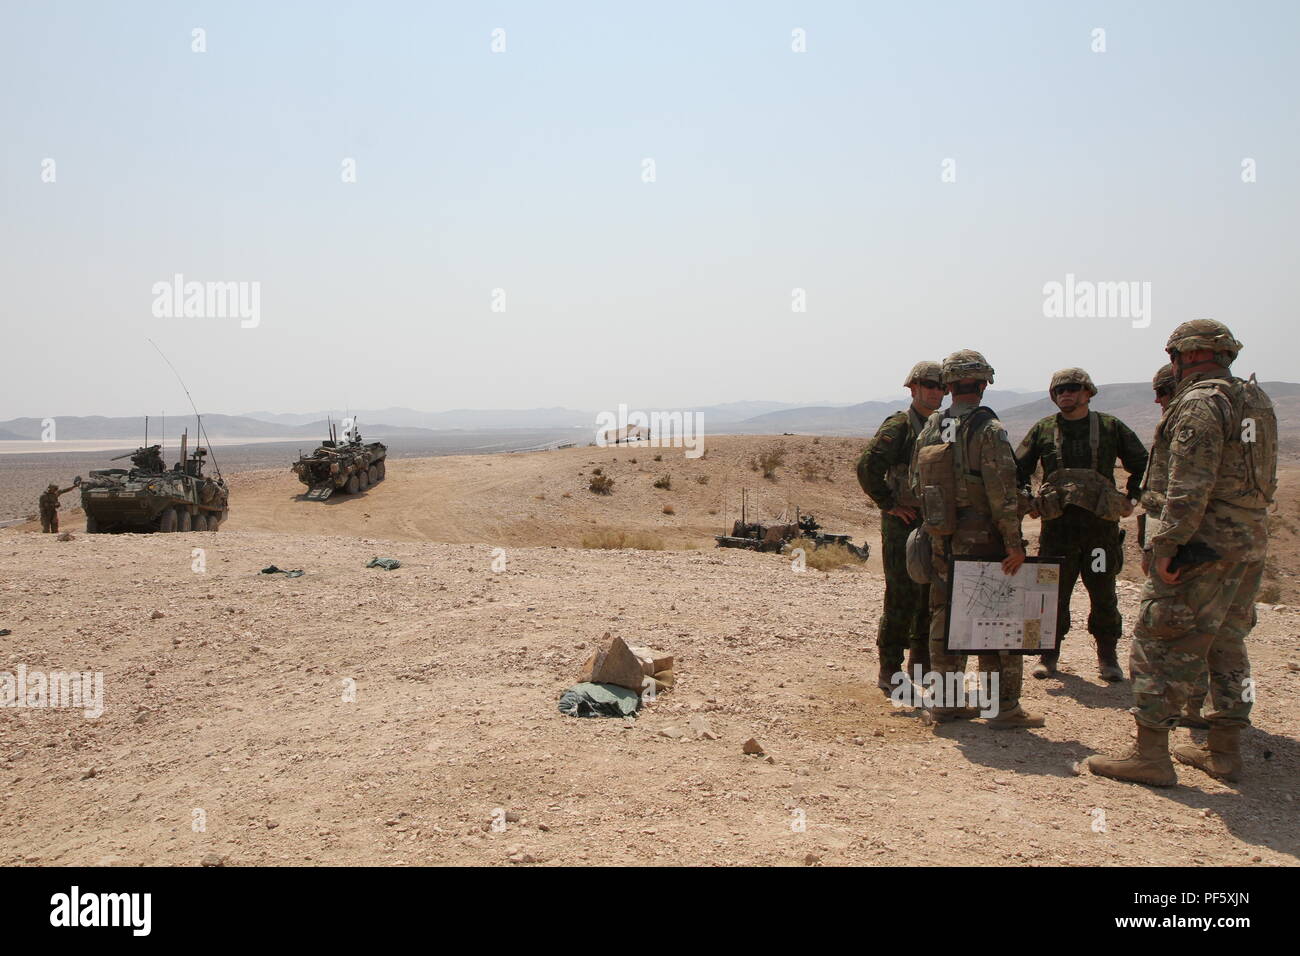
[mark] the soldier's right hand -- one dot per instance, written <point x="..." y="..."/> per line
<point x="1012" y="562"/>
<point x="904" y="513"/>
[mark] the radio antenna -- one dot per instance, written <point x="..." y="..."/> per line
<point x="197" y="416"/>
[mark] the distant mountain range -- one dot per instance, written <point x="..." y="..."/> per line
<point x="1130" y="401"/>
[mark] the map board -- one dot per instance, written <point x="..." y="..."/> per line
<point x="988" y="611"/>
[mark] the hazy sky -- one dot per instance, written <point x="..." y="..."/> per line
<point x="524" y="171"/>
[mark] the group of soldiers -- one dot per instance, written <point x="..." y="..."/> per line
<point x="951" y="480"/>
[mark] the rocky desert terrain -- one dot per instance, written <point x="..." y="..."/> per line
<point x="361" y="716"/>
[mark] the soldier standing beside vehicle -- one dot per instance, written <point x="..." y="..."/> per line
<point x="49" y="505"/>
<point x="1163" y="384"/>
<point x="1081" y="508"/>
<point x="1214" y="464"/>
<point x="964" y="451"/>
<point x="882" y="472"/>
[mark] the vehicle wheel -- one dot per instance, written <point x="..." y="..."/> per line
<point x="214" y="520"/>
<point x="373" y="474"/>
<point x="182" y="520"/>
<point x="92" y="526"/>
<point x="199" y="522"/>
<point x="167" y="522"/>
<point x="380" y="466"/>
<point x="353" y="484"/>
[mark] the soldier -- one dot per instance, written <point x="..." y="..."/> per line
<point x="1081" y="508"/>
<point x="149" y="459"/>
<point x="49" y="505"/>
<point x="1163" y="385"/>
<point x="882" y="472"/>
<point x="1214" y="467"/>
<point x="987" y="523"/>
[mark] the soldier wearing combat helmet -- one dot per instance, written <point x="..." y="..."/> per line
<point x="1081" y="508"/>
<point x="1213" y="474"/>
<point x="49" y="505"/>
<point x="1163" y="384"/>
<point x="882" y="472"/>
<point x="985" y="522"/>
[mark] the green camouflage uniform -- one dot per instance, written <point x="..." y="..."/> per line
<point x="49" y="506"/>
<point x="1205" y="489"/>
<point x="988" y="525"/>
<point x="882" y="472"/>
<point x="1078" y="533"/>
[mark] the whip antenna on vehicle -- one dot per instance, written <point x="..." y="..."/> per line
<point x="197" y="416"/>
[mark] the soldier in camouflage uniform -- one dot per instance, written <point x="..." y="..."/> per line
<point x="1077" y="448"/>
<point x="987" y="525"/>
<point x="1163" y="384"/>
<point x="49" y="505"/>
<point x="882" y="472"/>
<point x="1214" y="467"/>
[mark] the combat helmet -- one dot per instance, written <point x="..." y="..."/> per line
<point x="923" y="371"/>
<point x="52" y="487"/>
<point x="1164" y="378"/>
<point x="1072" y="376"/>
<point x="1204" y="334"/>
<point x="964" y="364"/>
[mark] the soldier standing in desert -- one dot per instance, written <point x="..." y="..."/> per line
<point x="1214" y="465"/>
<point x="882" y="472"/>
<point x="1081" y="508"/>
<point x="981" y="470"/>
<point x="49" y="506"/>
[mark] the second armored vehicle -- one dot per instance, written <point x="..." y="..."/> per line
<point x="349" y="465"/>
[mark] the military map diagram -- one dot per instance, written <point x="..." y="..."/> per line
<point x="993" y="612"/>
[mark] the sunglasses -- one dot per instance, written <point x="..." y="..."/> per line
<point x="1071" y="388"/>
<point x="1164" y="391"/>
<point x="929" y="383"/>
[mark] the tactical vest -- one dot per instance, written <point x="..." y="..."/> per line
<point x="1248" y="470"/>
<point x="896" y="477"/>
<point x="1086" y="488"/>
<point x="945" y="481"/>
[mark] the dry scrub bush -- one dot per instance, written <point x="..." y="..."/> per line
<point x="668" y="510"/>
<point x="702" y="479"/>
<point x="612" y="540"/>
<point x="770" y="460"/>
<point x="602" y="484"/>
<point x="665" y="482"/>
<point x="826" y="558"/>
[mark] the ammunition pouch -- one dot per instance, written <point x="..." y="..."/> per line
<point x="938" y="481"/>
<point x="1084" y="488"/>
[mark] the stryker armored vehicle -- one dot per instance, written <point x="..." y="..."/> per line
<point x="349" y="465"/>
<point x="148" y="498"/>
<point x="756" y="536"/>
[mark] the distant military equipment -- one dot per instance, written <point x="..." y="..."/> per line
<point x="348" y="465"/>
<point x="776" y="537"/>
<point x="149" y="498"/>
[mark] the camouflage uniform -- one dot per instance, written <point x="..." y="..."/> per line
<point x="988" y="526"/>
<point x="1077" y="534"/>
<point x="1215" y="490"/>
<point x="49" y="506"/>
<point x="882" y="472"/>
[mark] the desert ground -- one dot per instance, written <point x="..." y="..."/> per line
<point x="361" y="716"/>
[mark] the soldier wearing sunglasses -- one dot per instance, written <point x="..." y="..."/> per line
<point x="1081" y="508"/>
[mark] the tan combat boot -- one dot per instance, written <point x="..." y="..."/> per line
<point x="1017" y="716"/>
<point x="1220" y="757"/>
<point x="944" y="715"/>
<point x="1147" y="763"/>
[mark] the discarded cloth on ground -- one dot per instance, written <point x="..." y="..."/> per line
<point x="288" y="574"/>
<point x="599" y="700"/>
<point x="388" y="564"/>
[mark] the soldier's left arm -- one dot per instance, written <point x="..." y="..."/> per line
<point x="998" y="467"/>
<point x="1133" y="454"/>
<point x="1195" y="451"/>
